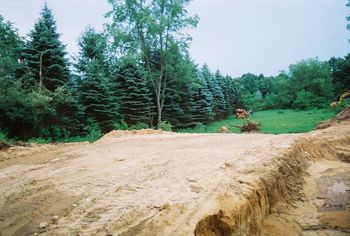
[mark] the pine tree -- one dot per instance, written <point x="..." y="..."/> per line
<point x="44" y="55"/>
<point x="187" y="107"/>
<point x="134" y="101"/>
<point x="10" y="43"/>
<point x="202" y="103"/>
<point x="230" y="92"/>
<point x="219" y="103"/>
<point x="172" y="110"/>
<point x="95" y="85"/>
<point x="226" y="95"/>
<point x="97" y="98"/>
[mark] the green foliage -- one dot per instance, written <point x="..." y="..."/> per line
<point x="4" y="140"/>
<point x="139" y="126"/>
<point x="139" y="74"/>
<point x="340" y="73"/>
<point x="307" y="85"/>
<point x="133" y="93"/>
<point x="272" y="122"/>
<point x="10" y="43"/>
<point x="121" y="125"/>
<point x="93" y="131"/>
<point x="43" y="57"/>
<point x="219" y="103"/>
<point x="152" y="31"/>
<point x="312" y="83"/>
<point x="165" y="126"/>
<point x="95" y="87"/>
<point x="202" y="103"/>
<point x="40" y="140"/>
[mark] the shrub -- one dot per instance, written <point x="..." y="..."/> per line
<point x="93" y="131"/>
<point x="40" y="140"/>
<point x="5" y="142"/>
<point x="139" y="126"/>
<point x="122" y="125"/>
<point x="166" y="126"/>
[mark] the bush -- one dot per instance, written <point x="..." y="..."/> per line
<point x="93" y="130"/>
<point x="122" y="125"/>
<point x="40" y="140"/>
<point x="166" y="126"/>
<point x="139" y="126"/>
<point x="5" y="142"/>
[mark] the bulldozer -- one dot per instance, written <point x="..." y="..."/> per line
<point x="344" y="95"/>
<point x="242" y="114"/>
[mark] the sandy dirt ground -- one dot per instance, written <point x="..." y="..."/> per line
<point x="178" y="184"/>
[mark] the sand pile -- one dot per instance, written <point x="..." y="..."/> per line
<point x="150" y="183"/>
<point x="124" y="133"/>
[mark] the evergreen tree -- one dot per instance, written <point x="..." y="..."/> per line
<point x="134" y="102"/>
<point x="95" y="85"/>
<point x="219" y="103"/>
<point x="230" y="93"/>
<point x="177" y="107"/>
<point x="44" y="55"/>
<point x="10" y="43"/>
<point x="172" y="110"/>
<point x="97" y="98"/>
<point x="225" y="91"/>
<point x="143" y="27"/>
<point x="202" y="102"/>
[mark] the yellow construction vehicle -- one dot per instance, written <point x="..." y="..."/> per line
<point x="344" y="95"/>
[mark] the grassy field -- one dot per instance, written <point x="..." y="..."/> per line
<point x="272" y="122"/>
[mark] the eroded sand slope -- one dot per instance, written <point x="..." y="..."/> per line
<point x="158" y="184"/>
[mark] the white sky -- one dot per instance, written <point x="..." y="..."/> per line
<point x="234" y="36"/>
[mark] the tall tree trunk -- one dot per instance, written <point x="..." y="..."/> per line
<point x="159" y="112"/>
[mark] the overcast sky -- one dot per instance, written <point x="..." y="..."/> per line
<point x="234" y="36"/>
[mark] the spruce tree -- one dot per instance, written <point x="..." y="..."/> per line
<point x="10" y="43"/>
<point x="202" y="103"/>
<point x="230" y="92"/>
<point x="219" y="103"/>
<point x="44" y="55"/>
<point x="172" y="109"/>
<point x="134" y="101"/>
<point x="97" y="98"/>
<point x="95" y="85"/>
<point x="226" y="94"/>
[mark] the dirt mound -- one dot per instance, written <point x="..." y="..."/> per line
<point x="342" y="116"/>
<point x="123" y="133"/>
<point x="160" y="184"/>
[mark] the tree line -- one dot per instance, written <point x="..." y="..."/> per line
<point x="308" y="84"/>
<point x="137" y="73"/>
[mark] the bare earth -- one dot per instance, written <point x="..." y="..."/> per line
<point x="180" y="184"/>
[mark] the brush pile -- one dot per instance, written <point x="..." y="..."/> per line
<point x="250" y="126"/>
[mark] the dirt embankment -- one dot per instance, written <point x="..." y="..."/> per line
<point x="179" y="184"/>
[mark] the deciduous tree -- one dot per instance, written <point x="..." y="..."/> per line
<point x="145" y="27"/>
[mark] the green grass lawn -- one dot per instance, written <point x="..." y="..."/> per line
<point x="272" y="122"/>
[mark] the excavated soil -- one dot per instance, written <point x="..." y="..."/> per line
<point x="156" y="183"/>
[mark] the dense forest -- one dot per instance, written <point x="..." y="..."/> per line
<point x="138" y="73"/>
